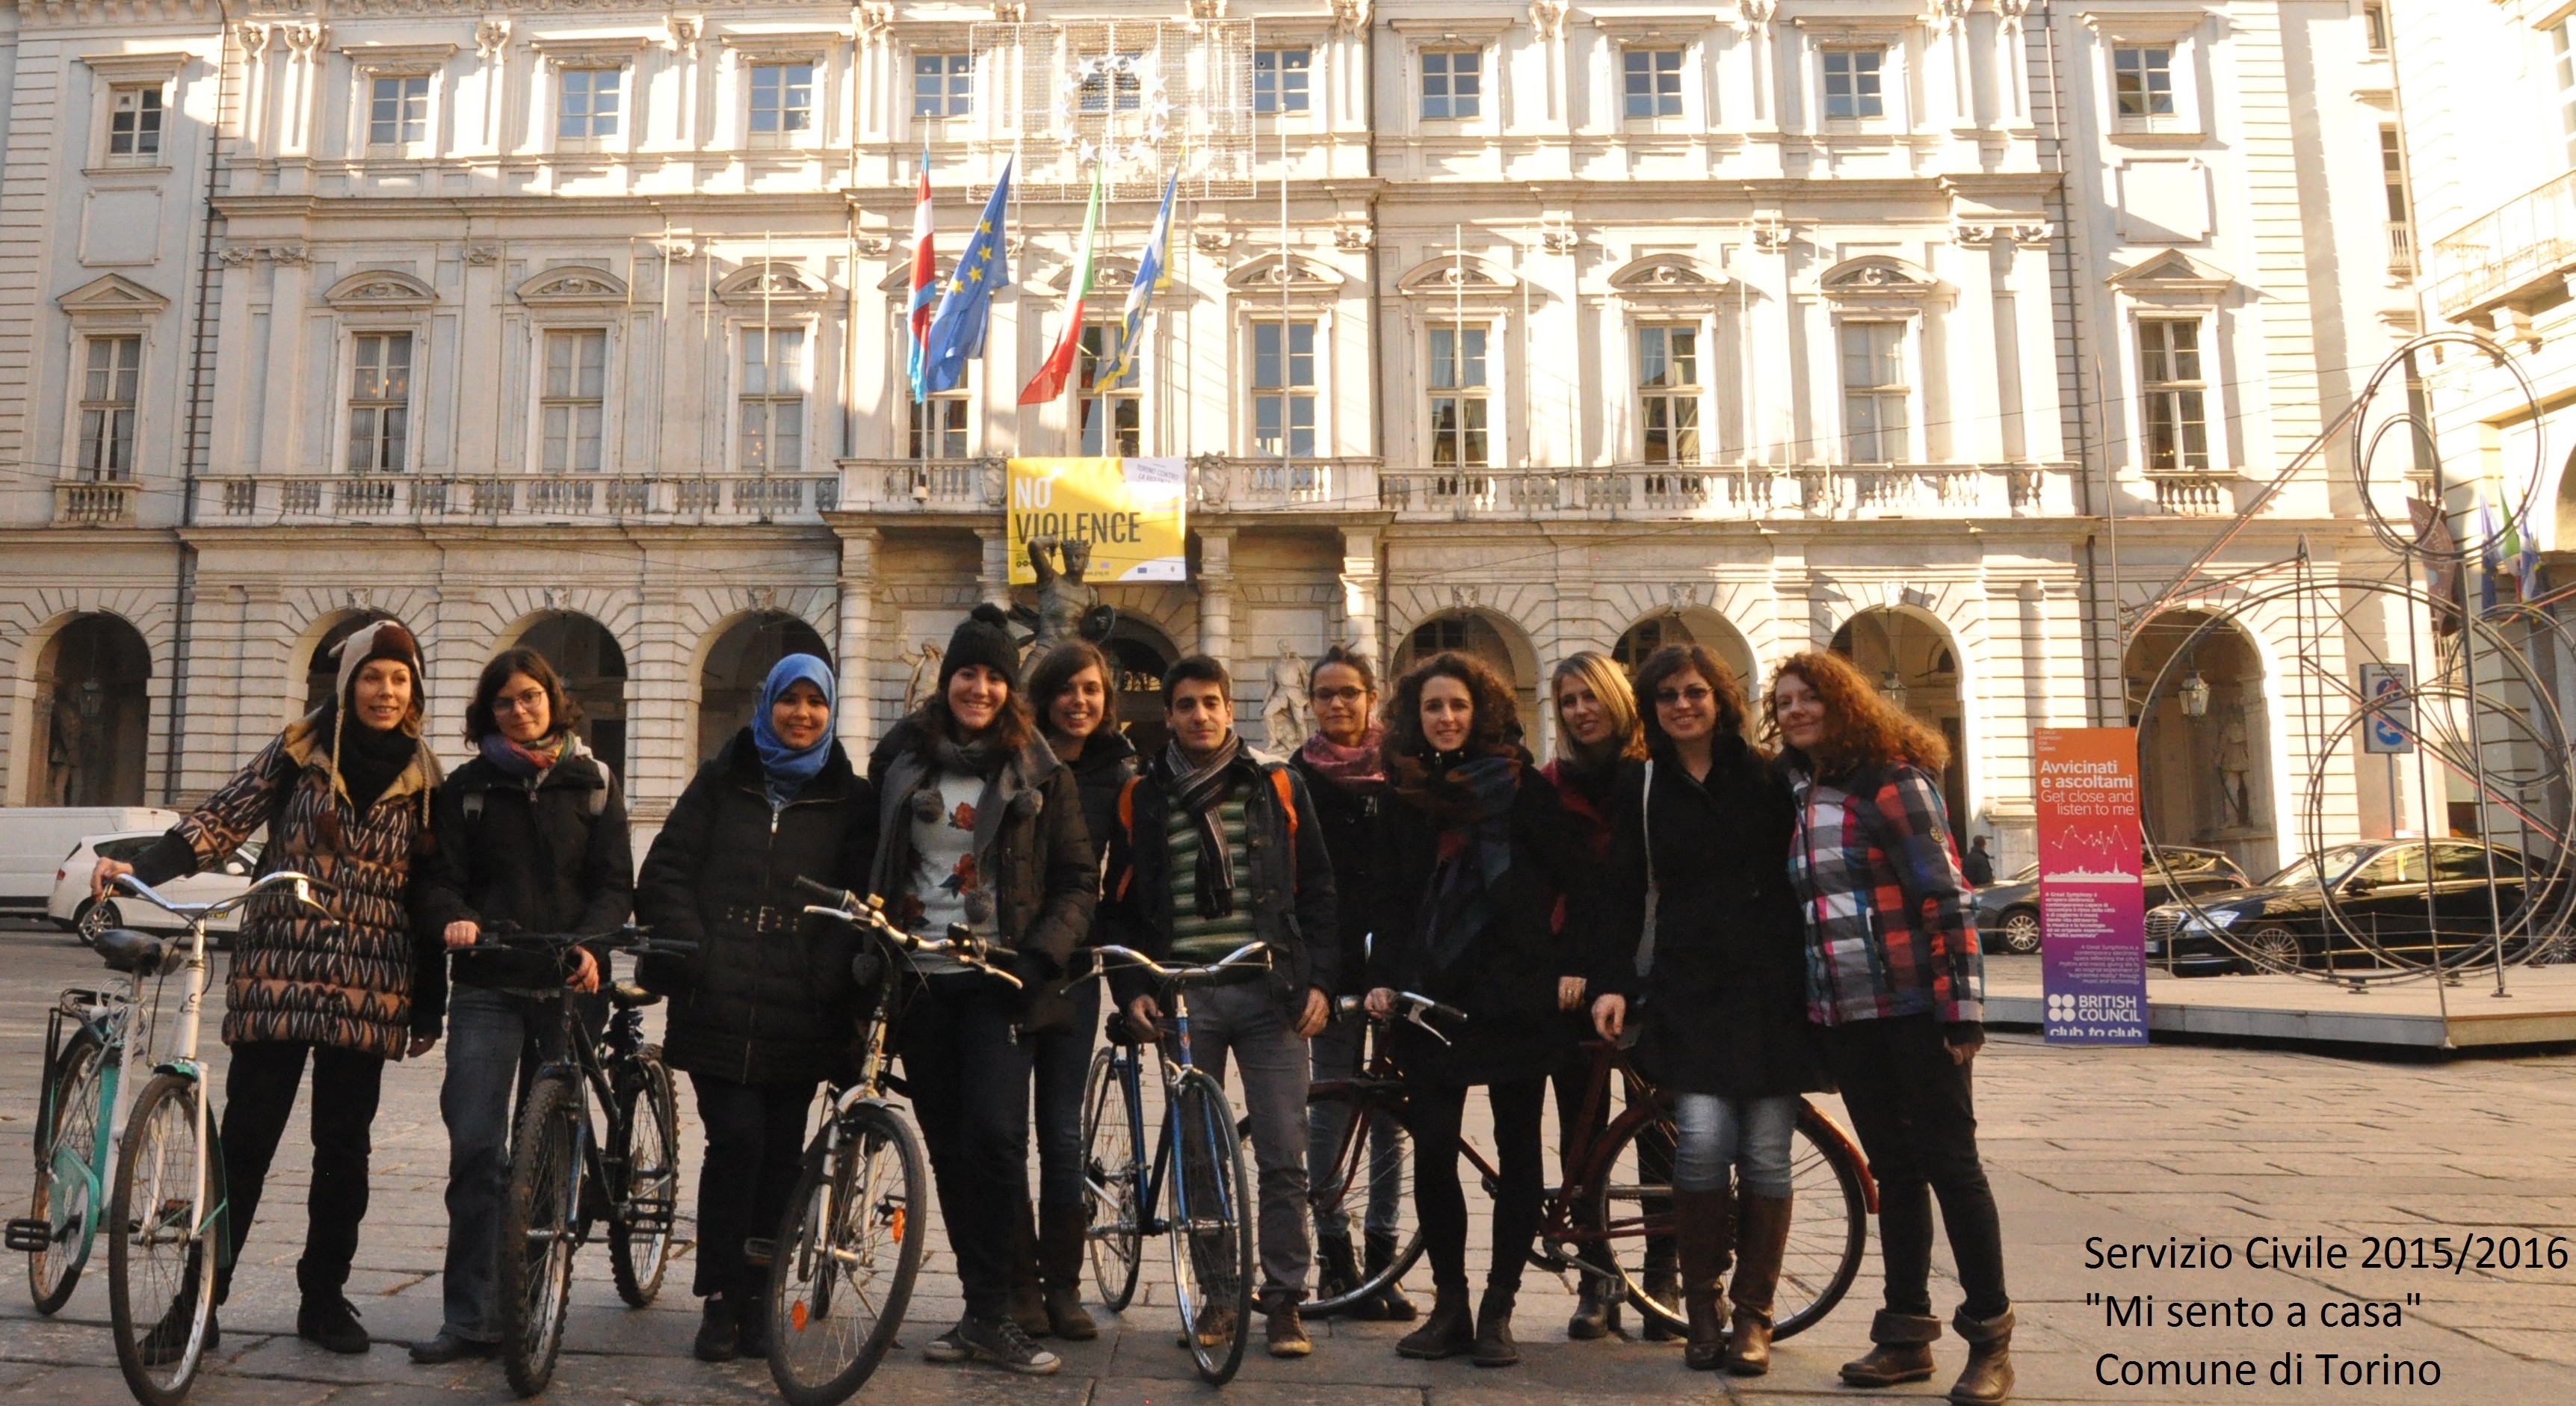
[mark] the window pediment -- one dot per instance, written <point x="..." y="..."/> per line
<point x="1882" y="280"/>
<point x="798" y="46"/>
<point x="1455" y="275"/>
<point x="1268" y="274"/>
<point x="1106" y="273"/>
<point x="380" y="289"/>
<point x="2173" y="277"/>
<point x="399" y="60"/>
<point x="771" y="281"/>
<point x="898" y="277"/>
<point x="572" y="285"/>
<point x="590" y="50"/>
<point x="111" y="295"/>
<point x="136" y="68"/>
<point x="1672" y="276"/>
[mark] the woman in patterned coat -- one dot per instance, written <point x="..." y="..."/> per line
<point x="345" y="795"/>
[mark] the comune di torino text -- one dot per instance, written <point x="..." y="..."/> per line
<point x="2289" y="1369"/>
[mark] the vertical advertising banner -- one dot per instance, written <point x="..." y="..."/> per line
<point x="2092" y="907"/>
<point x="1128" y="510"/>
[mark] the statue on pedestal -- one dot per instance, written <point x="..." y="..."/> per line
<point x="1290" y="713"/>
<point x="1067" y="608"/>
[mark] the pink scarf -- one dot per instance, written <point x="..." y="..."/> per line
<point x="1347" y="767"/>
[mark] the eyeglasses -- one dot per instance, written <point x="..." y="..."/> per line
<point x="1340" y="695"/>
<point x="529" y="702"/>
<point x="1673" y="697"/>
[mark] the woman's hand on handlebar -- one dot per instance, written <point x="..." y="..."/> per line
<point x="1144" y="1014"/>
<point x="1610" y="1015"/>
<point x="462" y="933"/>
<point x="585" y="972"/>
<point x="107" y="872"/>
<point x="1381" y="1001"/>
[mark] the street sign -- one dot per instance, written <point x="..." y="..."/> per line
<point x="2387" y="690"/>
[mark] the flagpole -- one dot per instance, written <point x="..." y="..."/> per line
<point x="1279" y="113"/>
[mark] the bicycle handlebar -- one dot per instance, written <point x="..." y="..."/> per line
<point x="1251" y="956"/>
<point x="630" y="938"/>
<point x="303" y="886"/>
<point x="1416" y="1002"/>
<point x="960" y="945"/>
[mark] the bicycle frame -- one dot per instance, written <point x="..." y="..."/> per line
<point x="107" y="1019"/>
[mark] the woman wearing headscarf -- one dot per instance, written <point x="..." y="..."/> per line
<point x="766" y="1006"/>
<point x="345" y="795"/>
<point x="980" y="825"/>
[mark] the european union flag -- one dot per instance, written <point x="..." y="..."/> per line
<point x="957" y="331"/>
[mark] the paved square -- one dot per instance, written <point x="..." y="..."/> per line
<point x="2132" y="1146"/>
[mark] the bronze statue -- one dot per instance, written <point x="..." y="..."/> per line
<point x="1067" y="608"/>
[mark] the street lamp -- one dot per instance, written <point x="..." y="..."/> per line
<point x="2195" y="695"/>
<point x="1892" y="684"/>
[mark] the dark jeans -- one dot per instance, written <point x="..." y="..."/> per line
<point x="490" y="1035"/>
<point x="1061" y="1060"/>
<point x="1915" y="1111"/>
<point x="1340" y="1053"/>
<point x="969" y="1074"/>
<point x="1438" y="1112"/>
<point x="1244" y="1022"/>
<point x="755" y="1139"/>
<point x="259" y="1093"/>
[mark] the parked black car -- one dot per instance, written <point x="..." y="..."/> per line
<point x="2008" y="913"/>
<point x="2409" y="897"/>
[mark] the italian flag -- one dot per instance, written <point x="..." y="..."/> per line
<point x="1049" y="382"/>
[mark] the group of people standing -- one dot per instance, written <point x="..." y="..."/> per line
<point x="1761" y="920"/>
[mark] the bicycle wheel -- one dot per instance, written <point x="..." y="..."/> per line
<point x="847" y="1250"/>
<point x="160" y="1272"/>
<point x="639" y="1234"/>
<point x="539" y="1233"/>
<point x="1113" y="1172"/>
<point x="65" y="1197"/>
<point x="1828" y="1227"/>
<point x="1211" y="1224"/>
<point x="1368" y="1181"/>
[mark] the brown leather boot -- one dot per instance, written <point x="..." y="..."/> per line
<point x="1903" y="1352"/>
<point x="1704" y="1236"/>
<point x="1027" y="1304"/>
<point x="1989" y="1376"/>
<point x="1761" y="1239"/>
<point x="1063" y="1236"/>
<point x="1448" y="1332"/>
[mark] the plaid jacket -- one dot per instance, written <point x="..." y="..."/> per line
<point x="1889" y="930"/>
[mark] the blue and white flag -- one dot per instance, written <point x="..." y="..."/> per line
<point x="957" y="332"/>
<point x="1140" y="294"/>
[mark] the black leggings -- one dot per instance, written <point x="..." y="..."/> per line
<point x="1438" y="1112"/>
<point x="1915" y="1111"/>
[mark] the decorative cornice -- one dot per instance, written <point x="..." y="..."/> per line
<point x="379" y="288"/>
<point x="399" y="59"/>
<point x="571" y="285"/>
<point x="137" y="68"/>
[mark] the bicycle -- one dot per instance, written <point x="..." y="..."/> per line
<point x="169" y="1203"/>
<point x="850" y="1217"/>
<point x="1197" y="1168"/>
<point x="563" y="1177"/>
<point x="1611" y="1215"/>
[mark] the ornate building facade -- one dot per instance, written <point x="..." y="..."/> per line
<point x="1941" y="338"/>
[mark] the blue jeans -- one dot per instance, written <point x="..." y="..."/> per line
<point x="1751" y="1135"/>
<point x="1338" y="1055"/>
<point x="1244" y="1022"/>
<point x="489" y="1036"/>
<point x="1062" y="1060"/>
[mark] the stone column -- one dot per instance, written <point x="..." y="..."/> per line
<point x="1360" y="587"/>
<point x="993" y="580"/>
<point x="661" y="726"/>
<point x="856" y="650"/>
<point x="1216" y="593"/>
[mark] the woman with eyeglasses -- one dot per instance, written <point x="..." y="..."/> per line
<point x="1716" y="989"/>
<point x="531" y="832"/>
<point x="1895" y="983"/>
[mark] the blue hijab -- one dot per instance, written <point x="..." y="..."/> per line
<point x="786" y="769"/>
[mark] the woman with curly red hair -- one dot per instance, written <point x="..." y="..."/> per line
<point x="1472" y="852"/>
<point x="1894" y="979"/>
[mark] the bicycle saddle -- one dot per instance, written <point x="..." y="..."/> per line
<point x="139" y="953"/>
<point x="627" y="998"/>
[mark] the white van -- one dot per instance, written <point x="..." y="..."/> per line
<point x="34" y="841"/>
<point x="73" y="911"/>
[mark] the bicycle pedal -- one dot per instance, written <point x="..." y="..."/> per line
<point x="758" y="1251"/>
<point x="28" y="1236"/>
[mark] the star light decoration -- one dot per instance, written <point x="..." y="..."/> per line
<point x="1106" y="70"/>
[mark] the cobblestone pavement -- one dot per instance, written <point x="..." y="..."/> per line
<point x="2132" y="1146"/>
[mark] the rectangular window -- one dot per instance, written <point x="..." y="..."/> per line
<point x="943" y="85"/>
<point x="782" y="100"/>
<point x="939" y="426"/>
<point x="586" y="108"/>
<point x="1874" y="418"/>
<point x="773" y="399"/>
<point x="1453" y="83"/>
<point x="1852" y="90"/>
<point x="1279" y="79"/>
<point x="1668" y="381"/>
<point x="134" y="124"/>
<point x="1112" y="419"/>
<point x="380" y="402"/>
<point x="2176" y="396"/>
<point x="1113" y="84"/>
<point x="2392" y="174"/>
<point x="107" y="407"/>
<point x="1458" y="407"/>
<point x="398" y="111"/>
<point x="2374" y="27"/>
<point x="2562" y="41"/>
<point x="2142" y="81"/>
<point x="1652" y="81"/>
<point x="575" y="400"/>
<point x="1283" y="390"/>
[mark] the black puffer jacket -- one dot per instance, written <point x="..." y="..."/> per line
<point x="1506" y="979"/>
<point x="768" y="996"/>
<point x="1348" y="817"/>
<point x="549" y="853"/>
<point x="1724" y="1006"/>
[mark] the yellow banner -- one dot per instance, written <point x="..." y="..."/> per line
<point x="1128" y="510"/>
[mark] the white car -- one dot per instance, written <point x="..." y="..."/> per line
<point x="71" y="908"/>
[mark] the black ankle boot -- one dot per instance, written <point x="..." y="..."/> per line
<point x="719" y="1331"/>
<point x="1494" y="1345"/>
<point x="1387" y="1305"/>
<point x="1446" y="1333"/>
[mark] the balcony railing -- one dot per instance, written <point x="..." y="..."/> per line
<point x="1730" y="493"/>
<point x="1218" y="484"/>
<point x="2401" y="249"/>
<point x="2194" y="494"/>
<point x="268" y="499"/>
<point x="93" y="504"/>
<point x="2527" y="240"/>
